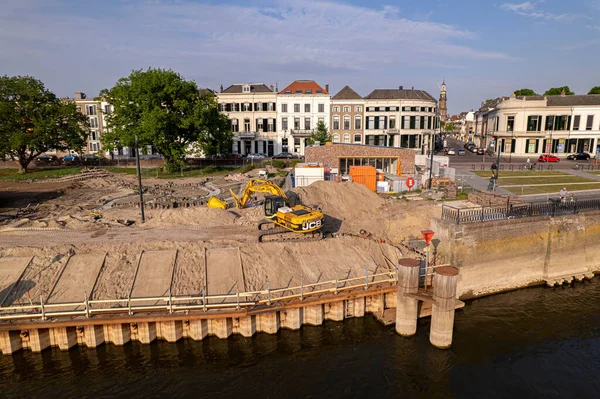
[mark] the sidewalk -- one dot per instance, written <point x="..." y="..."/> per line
<point x="478" y="182"/>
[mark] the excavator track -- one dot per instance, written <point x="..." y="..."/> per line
<point x="281" y="234"/>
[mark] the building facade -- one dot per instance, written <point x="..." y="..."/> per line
<point x="400" y="118"/>
<point x="347" y="117"/>
<point x="300" y="106"/>
<point x="94" y="111"/>
<point x="251" y="110"/>
<point x="533" y="125"/>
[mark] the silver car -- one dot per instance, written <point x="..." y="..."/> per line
<point x="255" y="156"/>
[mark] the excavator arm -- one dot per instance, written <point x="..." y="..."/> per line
<point x="256" y="186"/>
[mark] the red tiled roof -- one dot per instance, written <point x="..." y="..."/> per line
<point x="303" y="86"/>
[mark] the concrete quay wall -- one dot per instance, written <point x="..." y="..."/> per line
<point x="509" y="254"/>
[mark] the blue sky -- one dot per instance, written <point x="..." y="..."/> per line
<point x="482" y="48"/>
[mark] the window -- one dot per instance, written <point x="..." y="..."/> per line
<point x="346" y="109"/>
<point x="510" y="124"/>
<point x="247" y="107"/>
<point x="308" y="91"/>
<point x="306" y="107"/>
<point x="358" y="108"/>
<point x="534" y="123"/>
<point x="107" y="109"/>
<point x="357" y="139"/>
<point x="297" y="123"/>
<point x="234" y="125"/>
<point x="91" y="109"/>
<point x="319" y="91"/>
<point x="296" y="107"/>
<point x="413" y="122"/>
<point x="336" y="109"/>
<point x="94" y="122"/>
<point x="270" y="106"/>
<point x="392" y="122"/>
<point x="93" y="135"/>
<point x="370" y="123"/>
<point x="270" y="125"/>
<point x="549" y="122"/>
<point x="357" y="122"/>
<point x="382" y="122"/>
<point x="590" y="122"/>
<point x="246" y="89"/>
<point x="284" y="125"/>
<point x="259" y="125"/>
<point x="284" y="145"/>
<point x="298" y="91"/>
<point x="283" y="107"/>
<point x="321" y="107"/>
<point x="296" y="144"/>
<point x="576" y="122"/>
<point x="414" y="109"/>
<point x="346" y="138"/>
<point x="336" y="138"/>
<point x="336" y="123"/>
<point x="405" y="122"/>
<point x="246" y="125"/>
<point x="347" y="123"/>
<point x="370" y="109"/>
<point x="562" y="122"/>
<point x="307" y="123"/>
<point x="423" y="109"/>
<point x="288" y="92"/>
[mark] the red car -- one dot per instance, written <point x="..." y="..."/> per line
<point x="548" y="158"/>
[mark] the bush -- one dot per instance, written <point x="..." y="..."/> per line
<point x="278" y="164"/>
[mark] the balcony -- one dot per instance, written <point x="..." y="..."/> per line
<point x="302" y="133"/>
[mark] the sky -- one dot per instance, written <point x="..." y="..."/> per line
<point x="481" y="48"/>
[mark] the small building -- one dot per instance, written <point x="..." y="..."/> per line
<point x="306" y="174"/>
<point x="340" y="157"/>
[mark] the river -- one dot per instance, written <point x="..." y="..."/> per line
<point x="537" y="342"/>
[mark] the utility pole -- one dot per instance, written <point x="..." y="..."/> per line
<point x="431" y="149"/>
<point x="139" y="175"/>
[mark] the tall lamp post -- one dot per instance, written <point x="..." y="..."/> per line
<point x="139" y="176"/>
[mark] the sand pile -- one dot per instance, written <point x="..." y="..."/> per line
<point x="200" y="216"/>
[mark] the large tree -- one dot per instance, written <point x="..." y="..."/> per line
<point x="33" y="121"/>
<point x="167" y="112"/>
<point x="557" y="91"/>
<point x="525" y="92"/>
<point x="320" y="134"/>
<point x="595" y="90"/>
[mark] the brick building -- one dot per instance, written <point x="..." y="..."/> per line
<point x="347" y="117"/>
<point x="341" y="156"/>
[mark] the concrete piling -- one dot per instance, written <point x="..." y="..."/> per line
<point x="269" y="322"/>
<point x="247" y="325"/>
<point x="444" y="305"/>
<point x="10" y="342"/>
<point x="39" y="339"/>
<point x="94" y="336"/>
<point x="146" y="332"/>
<point x="407" y="307"/>
<point x="65" y="337"/>
<point x="198" y="329"/>
<point x="292" y="318"/>
<point x="172" y="330"/>
<point x="313" y="315"/>
<point x="334" y="311"/>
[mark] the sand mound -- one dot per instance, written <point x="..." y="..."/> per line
<point x="207" y="217"/>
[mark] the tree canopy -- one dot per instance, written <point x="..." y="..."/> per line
<point x="33" y="121"/>
<point x="525" y="92"/>
<point x="557" y="91"/>
<point x="320" y="134"/>
<point x="595" y="90"/>
<point x="167" y="113"/>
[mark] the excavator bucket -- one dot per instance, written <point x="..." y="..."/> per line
<point x="214" y="202"/>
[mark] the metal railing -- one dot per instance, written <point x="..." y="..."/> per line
<point x="517" y="211"/>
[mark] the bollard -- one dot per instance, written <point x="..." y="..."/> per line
<point x="444" y="305"/>
<point x="407" y="307"/>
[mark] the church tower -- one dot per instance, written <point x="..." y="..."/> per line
<point x="442" y="103"/>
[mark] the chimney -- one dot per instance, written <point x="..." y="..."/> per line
<point x="563" y="93"/>
<point x="400" y="87"/>
<point x="413" y="87"/>
<point x="79" y="96"/>
<point x="271" y="87"/>
<point x="221" y="89"/>
<point x="327" y="87"/>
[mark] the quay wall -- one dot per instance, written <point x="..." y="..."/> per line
<point x="509" y="254"/>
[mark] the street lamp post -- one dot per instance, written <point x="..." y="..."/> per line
<point x="139" y="176"/>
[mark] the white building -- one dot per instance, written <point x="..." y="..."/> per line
<point x="300" y="106"/>
<point x="251" y="110"/>
<point x="545" y="124"/>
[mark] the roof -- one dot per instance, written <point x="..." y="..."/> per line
<point x="303" y="87"/>
<point x="485" y="107"/>
<point x="204" y="90"/>
<point x="347" y="94"/>
<point x="566" y="101"/>
<point x="399" y="94"/>
<point x="254" y="88"/>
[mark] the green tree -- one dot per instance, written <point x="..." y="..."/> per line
<point x="33" y="121"/>
<point x="595" y="90"/>
<point x="165" y="111"/>
<point x="448" y="127"/>
<point x="320" y="134"/>
<point x="557" y="91"/>
<point x="525" y="92"/>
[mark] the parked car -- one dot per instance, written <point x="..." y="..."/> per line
<point x="451" y="151"/>
<point x="580" y="156"/>
<point x="446" y="150"/>
<point x="284" y="155"/>
<point x="469" y="145"/>
<point x="473" y="149"/>
<point x="548" y="158"/>
<point x="480" y="151"/>
<point x="47" y="159"/>
<point x="70" y="158"/>
<point x="255" y="156"/>
<point x="461" y="151"/>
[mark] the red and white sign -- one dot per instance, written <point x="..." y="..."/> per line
<point x="410" y="183"/>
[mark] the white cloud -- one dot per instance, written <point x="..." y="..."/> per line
<point x="594" y="27"/>
<point x="530" y="9"/>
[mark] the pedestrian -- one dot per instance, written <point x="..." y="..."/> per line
<point x="563" y="194"/>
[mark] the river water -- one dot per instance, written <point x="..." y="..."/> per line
<point x="536" y="342"/>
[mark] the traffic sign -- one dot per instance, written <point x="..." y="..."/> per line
<point x="410" y="183"/>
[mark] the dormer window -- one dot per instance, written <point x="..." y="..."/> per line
<point x="288" y="92"/>
<point x="246" y="89"/>
<point x="298" y="91"/>
<point x="319" y="91"/>
<point x="308" y="91"/>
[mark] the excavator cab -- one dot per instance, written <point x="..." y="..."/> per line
<point x="272" y="204"/>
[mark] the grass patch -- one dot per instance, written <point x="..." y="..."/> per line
<point x="552" y="189"/>
<point x="514" y="173"/>
<point x="37" y="174"/>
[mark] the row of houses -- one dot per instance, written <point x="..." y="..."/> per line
<point x="266" y="120"/>
<point x="531" y="125"/>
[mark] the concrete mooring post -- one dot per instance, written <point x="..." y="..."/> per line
<point x="444" y="305"/>
<point x="407" y="307"/>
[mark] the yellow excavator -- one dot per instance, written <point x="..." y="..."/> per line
<point x="281" y="218"/>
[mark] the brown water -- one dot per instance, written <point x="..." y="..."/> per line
<point x="538" y="342"/>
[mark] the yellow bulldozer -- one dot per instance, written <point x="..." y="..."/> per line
<point x="280" y="217"/>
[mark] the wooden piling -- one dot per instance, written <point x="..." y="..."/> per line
<point x="444" y="305"/>
<point x="407" y="307"/>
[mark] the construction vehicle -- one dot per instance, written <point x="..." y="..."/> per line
<point x="281" y="218"/>
<point x="214" y="202"/>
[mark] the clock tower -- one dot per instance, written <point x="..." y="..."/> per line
<point x="442" y="103"/>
